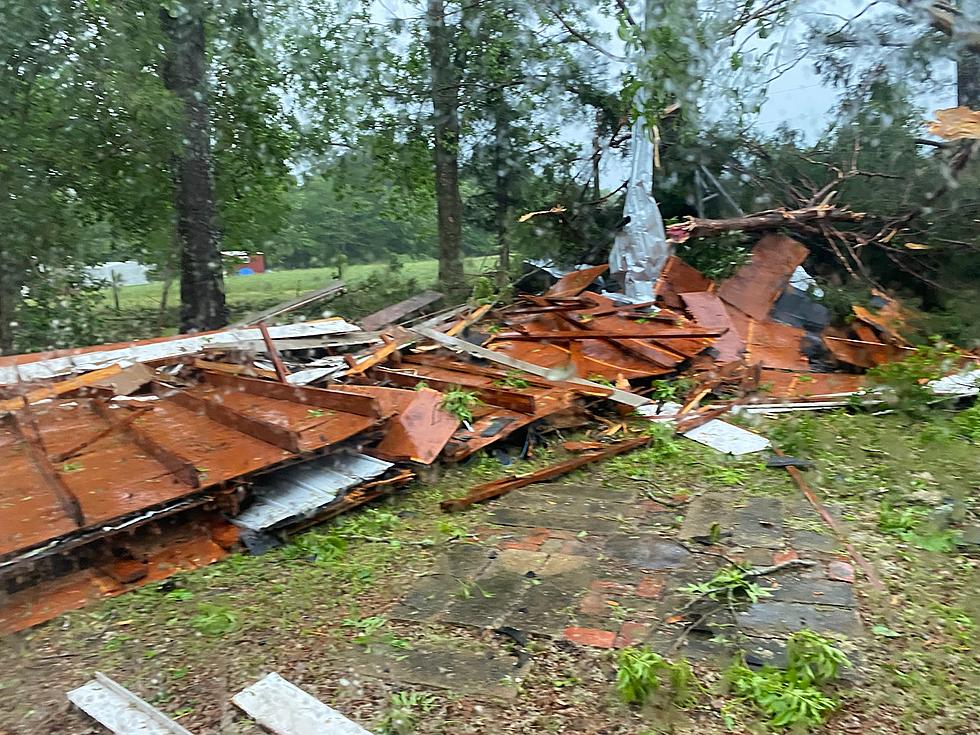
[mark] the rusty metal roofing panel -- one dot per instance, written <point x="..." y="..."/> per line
<point x="756" y="285"/>
<point x="709" y="311"/>
<point x="574" y="283"/>
<point x="302" y="490"/>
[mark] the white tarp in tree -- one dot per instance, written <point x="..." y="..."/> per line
<point x="641" y="248"/>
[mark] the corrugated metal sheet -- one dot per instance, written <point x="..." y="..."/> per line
<point x="304" y="489"/>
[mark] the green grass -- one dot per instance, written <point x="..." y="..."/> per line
<point x="284" y="285"/>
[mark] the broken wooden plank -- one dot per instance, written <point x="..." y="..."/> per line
<point x="176" y="465"/>
<point x="231" y="368"/>
<point x="60" y="388"/>
<point x="285" y="709"/>
<point x="459" y="345"/>
<point x="334" y="288"/>
<point x="496" y="488"/>
<point x="336" y="400"/>
<point x="121" y="711"/>
<point x="401" y="310"/>
<point x="469" y="320"/>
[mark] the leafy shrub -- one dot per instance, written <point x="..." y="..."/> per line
<point x="460" y="403"/>
<point x="730" y="583"/>
<point x="904" y="384"/>
<point x="638" y="676"/>
<point x="792" y="698"/>
<point x="404" y="711"/>
<point x="968" y="423"/>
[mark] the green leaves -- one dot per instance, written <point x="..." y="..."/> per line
<point x="460" y="403"/>
<point x="728" y="584"/>
<point x="792" y="698"/>
<point x="640" y="672"/>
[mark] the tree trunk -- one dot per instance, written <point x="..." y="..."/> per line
<point x="202" y="293"/>
<point x="968" y="78"/>
<point x="502" y="202"/>
<point x="445" y="123"/>
<point x="8" y="307"/>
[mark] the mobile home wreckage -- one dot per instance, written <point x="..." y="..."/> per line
<point x="123" y="464"/>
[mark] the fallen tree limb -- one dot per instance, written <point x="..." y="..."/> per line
<point x="495" y="489"/>
<point x="771" y="219"/>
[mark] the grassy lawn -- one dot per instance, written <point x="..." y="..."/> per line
<point x="283" y="285"/>
<point x="311" y="608"/>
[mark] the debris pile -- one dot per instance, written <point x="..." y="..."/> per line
<point x="124" y="464"/>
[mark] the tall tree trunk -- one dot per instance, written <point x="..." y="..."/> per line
<point x="968" y="78"/>
<point x="502" y="201"/>
<point x="202" y="292"/>
<point x="8" y="306"/>
<point x="445" y="122"/>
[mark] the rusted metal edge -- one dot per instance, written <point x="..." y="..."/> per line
<point x="873" y="579"/>
<point x="67" y="542"/>
<point x="336" y="400"/>
<point x="512" y="400"/>
<point x="175" y="464"/>
<point x="495" y="489"/>
<point x="30" y="435"/>
<point x="274" y="434"/>
<point x="459" y="345"/>
<point x="281" y="372"/>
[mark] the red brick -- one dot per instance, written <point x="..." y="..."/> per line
<point x="630" y="634"/>
<point x="521" y="545"/>
<point x="781" y="557"/>
<point x="652" y="506"/>
<point x="537" y="538"/>
<point x="126" y="571"/>
<point x="607" y="585"/>
<point x="650" y="586"/>
<point x="594" y="604"/>
<point x="591" y="637"/>
<point x="840" y="571"/>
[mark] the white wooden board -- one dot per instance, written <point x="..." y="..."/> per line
<point x="285" y="709"/>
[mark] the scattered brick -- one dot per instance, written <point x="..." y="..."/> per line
<point x="521" y="545"/>
<point x="652" y="506"/>
<point x="840" y="571"/>
<point x="607" y="585"/>
<point x="650" y="586"/>
<point x="781" y="557"/>
<point x="631" y="634"/>
<point x="591" y="637"/>
<point x="594" y="604"/>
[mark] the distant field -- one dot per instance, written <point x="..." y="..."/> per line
<point x="286" y="284"/>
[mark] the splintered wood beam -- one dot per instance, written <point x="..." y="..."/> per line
<point x="175" y="464"/>
<point x="27" y="430"/>
<point x="336" y="400"/>
<point x="274" y="434"/>
<point x="512" y="400"/>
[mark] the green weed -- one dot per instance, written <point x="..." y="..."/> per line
<point x="910" y="525"/>
<point x="671" y="390"/>
<point x="640" y="672"/>
<point x="460" y="403"/>
<point x="513" y="379"/>
<point x="797" y="435"/>
<point x="323" y="548"/>
<point x="728" y="584"/>
<point x="793" y="698"/>
<point x="214" y="620"/>
<point x="967" y="423"/>
<point x="904" y="383"/>
<point x="730" y="476"/>
<point x="404" y="712"/>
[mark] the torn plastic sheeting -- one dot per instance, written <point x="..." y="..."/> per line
<point x="641" y="249"/>
<point x="961" y="384"/>
<point x="301" y="491"/>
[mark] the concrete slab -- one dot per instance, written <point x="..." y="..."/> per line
<point x="776" y="619"/>
<point x="648" y="551"/>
